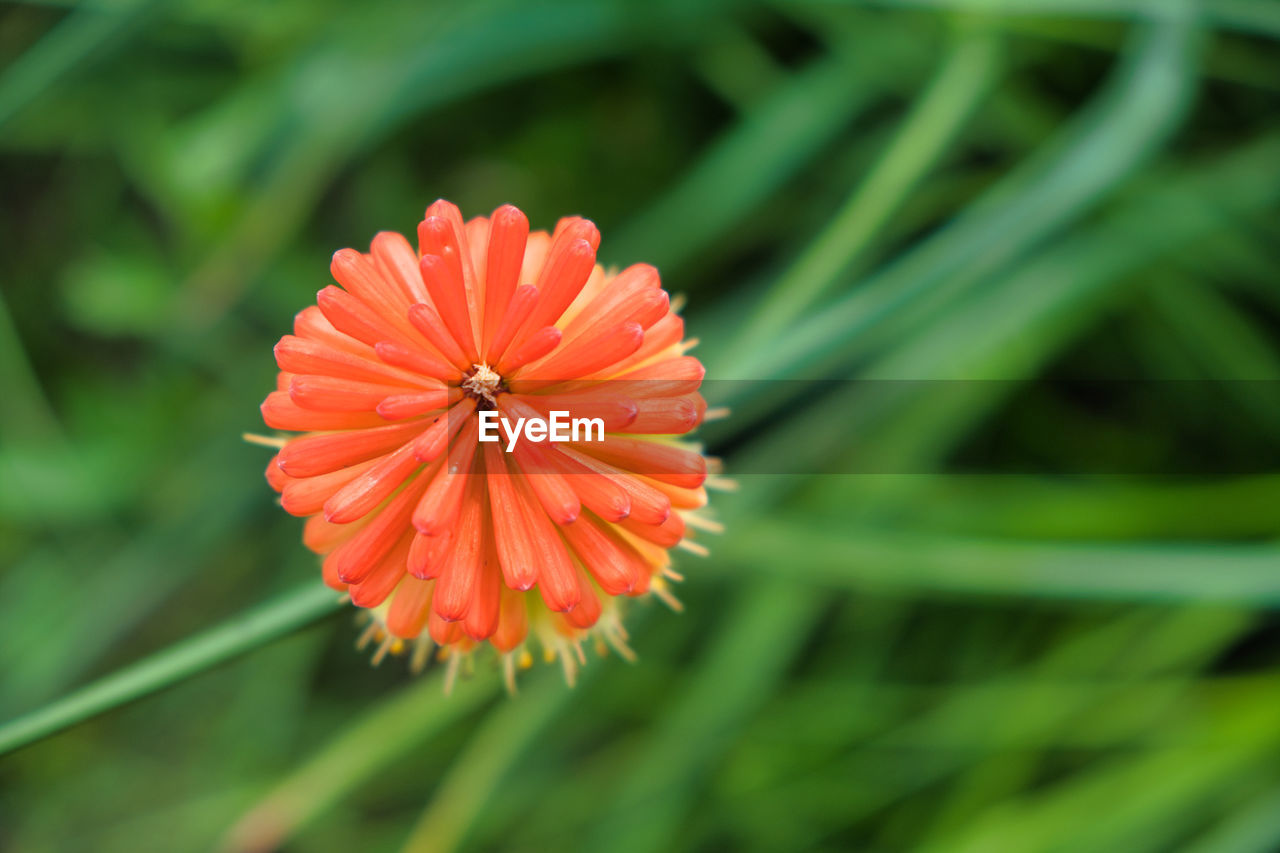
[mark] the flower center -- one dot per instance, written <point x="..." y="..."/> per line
<point x="483" y="383"/>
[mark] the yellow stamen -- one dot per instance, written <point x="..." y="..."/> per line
<point x="264" y="440"/>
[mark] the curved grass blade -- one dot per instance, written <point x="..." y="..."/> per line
<point x="745" y="165"/>
<point x="503" y="737"/>
<point x="1248" y="16"/>
<point x="384" y="733"/>
<point x="236" y="636"/>
<point x="765" y="629"/>
<point x="860" y="558"/>
<point x="1136" y="112"/>
<point x="70" y="43"/>
<point x="965" y="76"/>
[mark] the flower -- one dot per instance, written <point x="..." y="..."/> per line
<point x="451" y="541"/>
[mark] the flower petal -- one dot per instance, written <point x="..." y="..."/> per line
<point x="509" y="231"/>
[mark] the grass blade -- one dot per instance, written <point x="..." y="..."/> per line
<point x="236" y="636"/>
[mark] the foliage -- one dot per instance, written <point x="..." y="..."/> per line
<point x="1041" y="619"/>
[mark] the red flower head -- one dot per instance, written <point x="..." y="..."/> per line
<point x="399" y="380"/>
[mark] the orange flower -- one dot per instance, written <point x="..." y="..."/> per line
<point x="450" y="539"/>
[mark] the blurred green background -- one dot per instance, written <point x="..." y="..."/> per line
<point x="1039" y="191"/>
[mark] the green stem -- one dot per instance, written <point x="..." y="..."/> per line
<point x="234" y="637"/>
